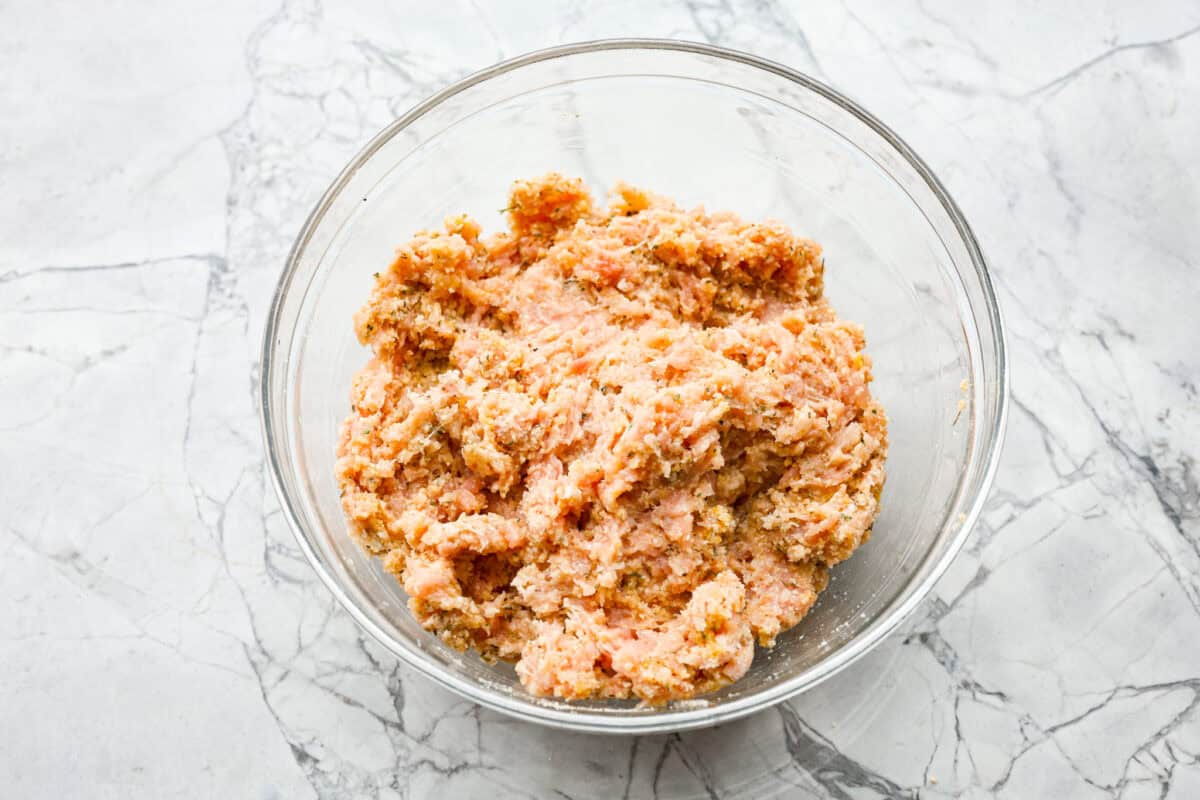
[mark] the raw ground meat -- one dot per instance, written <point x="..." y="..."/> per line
<point x="616" y="446"/>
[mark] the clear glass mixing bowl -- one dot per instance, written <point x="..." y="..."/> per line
<point x="704" y="126"/>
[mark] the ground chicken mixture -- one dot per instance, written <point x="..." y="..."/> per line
<point x="616" y="446"/>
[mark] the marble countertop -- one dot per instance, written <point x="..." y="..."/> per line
<point x="163" y="637"/>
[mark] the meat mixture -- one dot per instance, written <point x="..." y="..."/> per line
<point x="616" y="446"/>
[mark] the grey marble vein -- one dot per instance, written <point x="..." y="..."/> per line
<point x="163" y="635"/>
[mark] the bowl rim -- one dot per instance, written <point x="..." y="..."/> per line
<point x="670" y="720"/>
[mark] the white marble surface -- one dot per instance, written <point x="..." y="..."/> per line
<point x="161" y="636"/>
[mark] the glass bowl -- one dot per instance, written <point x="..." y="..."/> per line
<point x="704" y="126"/>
